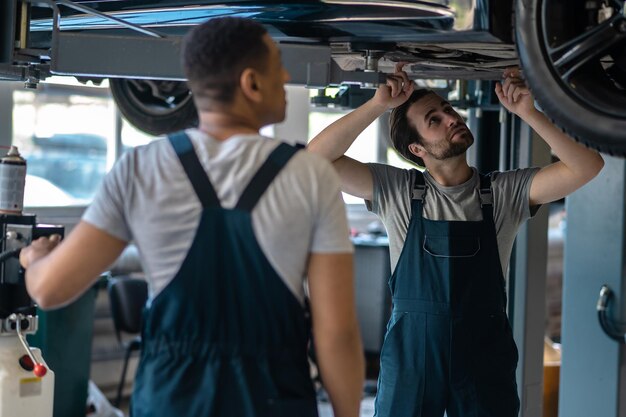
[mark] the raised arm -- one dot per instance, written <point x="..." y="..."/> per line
<point x="336" y="333"/>
<point x="57" y="275"/>
<point x="333" y="142"/>
<point x="577" y="166"/>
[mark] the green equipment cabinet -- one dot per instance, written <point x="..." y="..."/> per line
<point x="65" y="339"/>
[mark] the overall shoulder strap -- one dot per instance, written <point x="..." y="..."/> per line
<point x="484" y="193"/>
<point x="265" y="175"/>
<point x="419" y="187"/>
<point x="193" y="168"/>
<point x="417" y="196"/>
<point x="486" y="197"/>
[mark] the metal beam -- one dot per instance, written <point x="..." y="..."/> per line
<point x="115" y="56"/>
<point x="12" y="72"/>
<point x="104" y="56"/>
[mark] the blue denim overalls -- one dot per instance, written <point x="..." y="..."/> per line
<point x="449" y="345"/>
<point x="225" y="338"/>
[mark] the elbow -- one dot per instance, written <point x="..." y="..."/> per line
<point x="45" y="303"/>
<point x="47" y="300"/>
<point x="594" y="167"/>
<point x="345" y="337"/>
<point x="43" y="294"/>
<point x="585" y="169"/>
<point x="599" y="164"/>
<point x="314" y="146"/>
<point x="318" y="147"/>
<point x="44" y="299"/>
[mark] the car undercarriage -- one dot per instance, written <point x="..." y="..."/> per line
<point x="573" y="53"/>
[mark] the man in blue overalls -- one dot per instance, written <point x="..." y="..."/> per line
<point x="228" y="224"/>
<point x="449" y="347"/>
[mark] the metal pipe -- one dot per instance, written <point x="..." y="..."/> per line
<point x="120" y="22"/>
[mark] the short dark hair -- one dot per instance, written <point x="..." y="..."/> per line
<point x="402" y="131"/>
<point x="215" y="54"/>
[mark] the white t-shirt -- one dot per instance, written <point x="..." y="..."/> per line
<point x="392" y="202"/>
<point x="147" y="198"/>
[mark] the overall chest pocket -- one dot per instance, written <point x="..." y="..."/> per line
<point x="451" y="246"/>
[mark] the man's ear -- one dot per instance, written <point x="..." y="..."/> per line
<point x="417" y="150"/>
<point x="249" y="83"/>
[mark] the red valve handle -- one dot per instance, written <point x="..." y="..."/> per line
<point x="28" y="364"/>
<point x="40" y="370"/>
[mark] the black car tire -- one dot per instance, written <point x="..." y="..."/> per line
<point x="154" y="106"/>
<point x="588" y="103"/>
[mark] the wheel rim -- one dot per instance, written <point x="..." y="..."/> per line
<point x="157" y="97"/>
<point x="587" y="51"/>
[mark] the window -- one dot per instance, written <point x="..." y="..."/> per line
<point x="67" y="133"/>
<point x="364" y="148"/>
<point x="132" y="137"/>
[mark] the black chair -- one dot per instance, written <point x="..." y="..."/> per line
<point x="127" y="297"/>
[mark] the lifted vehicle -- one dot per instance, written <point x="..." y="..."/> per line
<point x="573" y="52"/>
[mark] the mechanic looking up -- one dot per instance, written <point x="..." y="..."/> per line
<point x="449" y="346"/>
<point x="228" y="223"/>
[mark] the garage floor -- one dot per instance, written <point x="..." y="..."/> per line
<point x="325" y="410"/>
<point x="367" y="408"/>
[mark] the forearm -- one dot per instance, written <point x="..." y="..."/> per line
<point x="57" y="277"/>
<point x="333" y="142"/>
<point x="341" y="365"/>
<point x="581" y="161"/>
<point x="336" y="330"/>
<point x="47" y="288"/>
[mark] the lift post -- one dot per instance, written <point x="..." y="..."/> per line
<point x="593" y="372"/>
<point x="8" y="10"/>
<point x="520" y="147"/>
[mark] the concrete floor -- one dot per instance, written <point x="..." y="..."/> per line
<point x="367" y="408"/>
<point x="324" y="408"/>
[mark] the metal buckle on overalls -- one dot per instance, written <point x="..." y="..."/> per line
<point x="418" y="192"/>
<point x="486" y="197"/>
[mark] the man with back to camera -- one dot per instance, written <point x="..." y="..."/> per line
<point x="449" y="346"/>
<point x="228" y="224"/>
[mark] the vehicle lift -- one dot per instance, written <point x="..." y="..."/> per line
<point x="94" y="57"/>
<point x="31" y="56"/>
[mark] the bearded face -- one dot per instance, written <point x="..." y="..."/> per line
<point x="442" y="130"/>
<point x="455" y="143"/>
